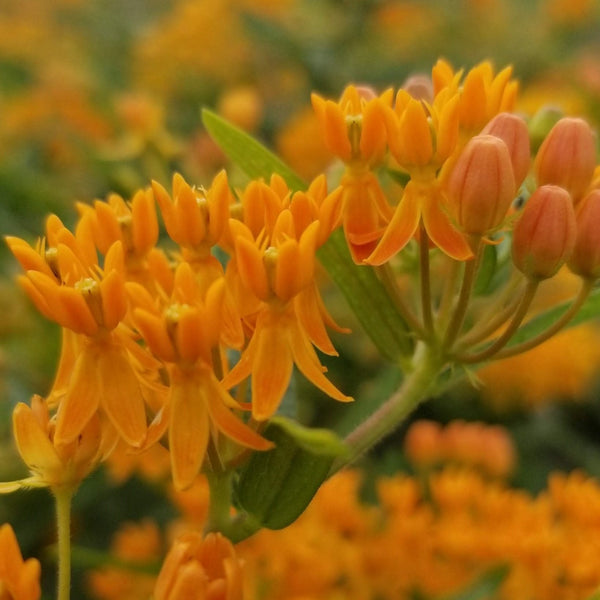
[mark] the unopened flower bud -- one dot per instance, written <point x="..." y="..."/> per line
<point x="512" y="130"/>
<point x="419" y="86"/>
<point x="567" y="156"/>
<point x="481" y="186"/>
<point x="544" y="235"/>
<point x="585" y="259"/>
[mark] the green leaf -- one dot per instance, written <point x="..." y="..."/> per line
<point x="485" y="587"/>
<point x="590" y="310"/>
<point x="367" y="298"/>
<point x="360" y="285"/>
<point x="247" y="153"/>
<point x="275" y="487"/>
<point x="322" y="442"/>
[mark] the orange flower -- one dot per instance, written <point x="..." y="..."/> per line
<point x="482" y="94"/>
<point x="354" y="130"/>
<point x="198" y="568"/>
<point x="186" y="333"/>
<point x="353" y="127"/>
<point x="100" y="367"/>
<point x="276" y="265"/>
<point x="19" y="579"/>
<point x="55" y="465"/>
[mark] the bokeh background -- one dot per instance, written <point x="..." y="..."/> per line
<point x="99" y="96"/>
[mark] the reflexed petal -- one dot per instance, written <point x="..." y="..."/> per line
<point x="400" y="229"/>
<point x="33" y="443"/>
<point x="441" y="231"/>
<point x="272" y="367"/>
<point x="309" y="309"/>
<point x="307" y="361"/>
<point x="226" y="421"/>
<point x="70" y="349"/>
<point x="188" y="431"/>
<point x="120" y="394"/>
<point x="82" y="398"/>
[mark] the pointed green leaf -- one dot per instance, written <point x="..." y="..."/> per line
<point x="367" y="298"/>
<point x="275" y="487"/>
<point x="247" y="153"/>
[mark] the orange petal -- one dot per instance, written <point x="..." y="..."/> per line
<point x="441" y="231"/>
<point x="251" y="268"/>
<point x="400" y="229"/>
<point x="114" y="300"/>
<point x="272" y="367"/>
<point x="307" y="361"/>
<point x="308" y="305"/>
<point x="155" y="334"/>
<point x="144" y="221"/>
<point x="33" y="443"/>
<point x="121" y="395"/>
<point x="82" y="397"/>
<point x="188" y="431"/>
<point x="227" y="422"/>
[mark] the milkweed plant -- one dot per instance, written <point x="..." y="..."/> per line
<point x="443" y="219"/>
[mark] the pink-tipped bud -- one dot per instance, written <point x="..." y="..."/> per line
<point x="544" y="235"/>
<point x="512" y="130"/>
<point x="481" y="185"/>
<point x="567" y="156"/>
<point x="585" y="258"/>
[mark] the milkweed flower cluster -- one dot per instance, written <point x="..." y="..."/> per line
<point x="110" y="287"/>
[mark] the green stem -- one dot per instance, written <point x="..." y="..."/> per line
<point x="584" y="292"/>
<point x="63" y="497"/>
<point x="501" y="341"/>
<point x="460" y="311"/>
<point x="219" y="516"/>
<point x="493" y="318"/>
<point x="392" y="413"/>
